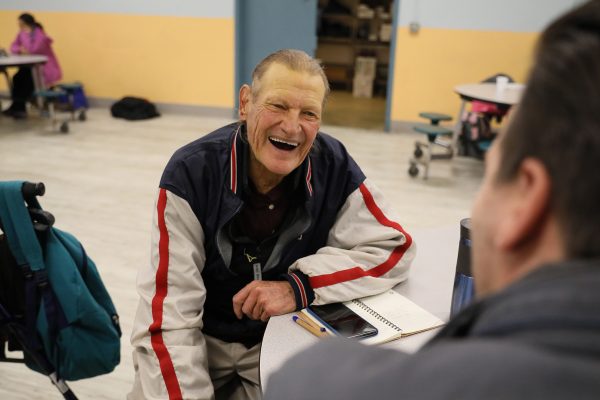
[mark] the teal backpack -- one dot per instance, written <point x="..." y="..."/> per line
<point x="57" y="300"/>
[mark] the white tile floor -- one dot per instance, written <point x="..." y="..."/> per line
<point x="100" y="184"/>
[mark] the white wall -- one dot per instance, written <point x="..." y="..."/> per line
<point x="182" y="8"/>
<point x="491" y="15"/>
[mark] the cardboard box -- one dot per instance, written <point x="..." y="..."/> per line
<point x="365" y="66"/>
<point x="365" y="12"/>
<point x="362" y="86"/>
<point x="385" y="32"/>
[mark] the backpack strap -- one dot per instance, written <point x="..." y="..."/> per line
<point x="17" y="224"/>
<point x="26" y="249"/>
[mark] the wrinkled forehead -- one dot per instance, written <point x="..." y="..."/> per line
<point x="280" y="77"/>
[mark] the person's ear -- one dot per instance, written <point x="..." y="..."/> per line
<point x="245" y="96"/>
<point x="528" y="198"/>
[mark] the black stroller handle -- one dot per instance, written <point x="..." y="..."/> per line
<point x="31" y="189"/>
<point x="42" y="220"/>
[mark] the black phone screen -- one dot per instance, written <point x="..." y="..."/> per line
<point x="343" y="320"/>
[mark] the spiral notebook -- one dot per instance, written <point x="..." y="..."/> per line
<point x="393" y="315"/>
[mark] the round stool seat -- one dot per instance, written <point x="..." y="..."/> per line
<point x="432" y="129"/>
<point x="70" y="86"/>
<point x="484" y="145"/>
<point x="435" y="117"/>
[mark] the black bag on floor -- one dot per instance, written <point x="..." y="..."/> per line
<point x="133" y="109"/>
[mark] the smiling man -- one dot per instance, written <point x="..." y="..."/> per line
<point x="259" y="218"/>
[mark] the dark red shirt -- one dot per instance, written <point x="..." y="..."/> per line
<point x="263" y="214"/>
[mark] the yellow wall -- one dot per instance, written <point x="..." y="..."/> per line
<point x="430" y="64"/>
<point x="165" y="59"/>
<point x="191" y="60"/>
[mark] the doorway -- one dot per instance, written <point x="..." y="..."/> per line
<point x="353" y="39"/>
<point x="355" y="45"/>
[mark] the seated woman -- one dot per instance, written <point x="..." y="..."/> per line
<point x="31" y="39"/>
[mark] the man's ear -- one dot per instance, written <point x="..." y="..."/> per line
<point x="528" y="205"/>
<point x="245" y="97"/>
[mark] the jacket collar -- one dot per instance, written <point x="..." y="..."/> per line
<point x="550" y="297"/>
<point x="239" y="165"/>
<point x="235" y="159"/>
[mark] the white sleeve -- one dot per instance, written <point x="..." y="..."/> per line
<point x="367" y="252"/>
<point x="169" y="349"/>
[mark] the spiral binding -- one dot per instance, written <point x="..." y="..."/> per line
<point x="377" y="315"/>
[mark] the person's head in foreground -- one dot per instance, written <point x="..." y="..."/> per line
<point x="540" y="198"/>
<point x="535" y="330"/>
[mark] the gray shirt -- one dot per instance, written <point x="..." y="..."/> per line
<point x="537" y="339"/>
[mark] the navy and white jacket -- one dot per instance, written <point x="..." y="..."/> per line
<point x="343" y="243"/>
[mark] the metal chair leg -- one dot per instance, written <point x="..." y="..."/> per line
<point x="427" y="161"/>
<point x="52" y="114"/>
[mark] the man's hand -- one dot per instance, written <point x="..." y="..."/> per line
<point x="263" y="299"/>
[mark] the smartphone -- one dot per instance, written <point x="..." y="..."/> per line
<point x="343" y="321"/>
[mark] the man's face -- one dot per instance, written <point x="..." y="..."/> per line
<point x="488" y="211"/>
<point x="283" y="118"/>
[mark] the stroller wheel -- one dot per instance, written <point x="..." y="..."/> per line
<point x="413" y="170"/>
<point x="64" y="127"/>
<point x="418" y="152"/>
<point x="82" y="116"/>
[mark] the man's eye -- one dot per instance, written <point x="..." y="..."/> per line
<point x="279" y="106"/>
<point x="310" y="114"/>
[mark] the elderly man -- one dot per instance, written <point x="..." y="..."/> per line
<point x="259" y="218"/>
<point x="535" y="332"/>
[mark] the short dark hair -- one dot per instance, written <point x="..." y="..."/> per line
<point x="558" y="123"/>
<point x="30" y="21"/>
<point x="296" y="60"/>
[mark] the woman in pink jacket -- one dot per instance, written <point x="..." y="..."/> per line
<point x="31" y="40"/>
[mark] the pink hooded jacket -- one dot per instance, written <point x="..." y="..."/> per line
<point x="37" y="42"/>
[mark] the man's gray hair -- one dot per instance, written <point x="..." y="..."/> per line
<point x="296" y="60"/>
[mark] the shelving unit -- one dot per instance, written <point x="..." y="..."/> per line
<point x="346" y="31"/>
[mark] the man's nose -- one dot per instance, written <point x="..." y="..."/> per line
<point x="291" y="122"/>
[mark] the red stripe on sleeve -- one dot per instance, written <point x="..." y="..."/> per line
<point x="156" y="338"/>
<point x="357" y="272"/>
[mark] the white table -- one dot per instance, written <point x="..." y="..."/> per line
<point x="429" y="285"/>
<point x="487" y="92"/>
<point x="19" y="60"/>
<point x="29" y="60"/>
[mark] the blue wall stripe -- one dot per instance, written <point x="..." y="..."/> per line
<point x="487" y="15"/>
<point x="390" y="80"/>
<point x="177" y="8"/>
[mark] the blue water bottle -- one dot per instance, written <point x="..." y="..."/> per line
<point x="464" y="290"/>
